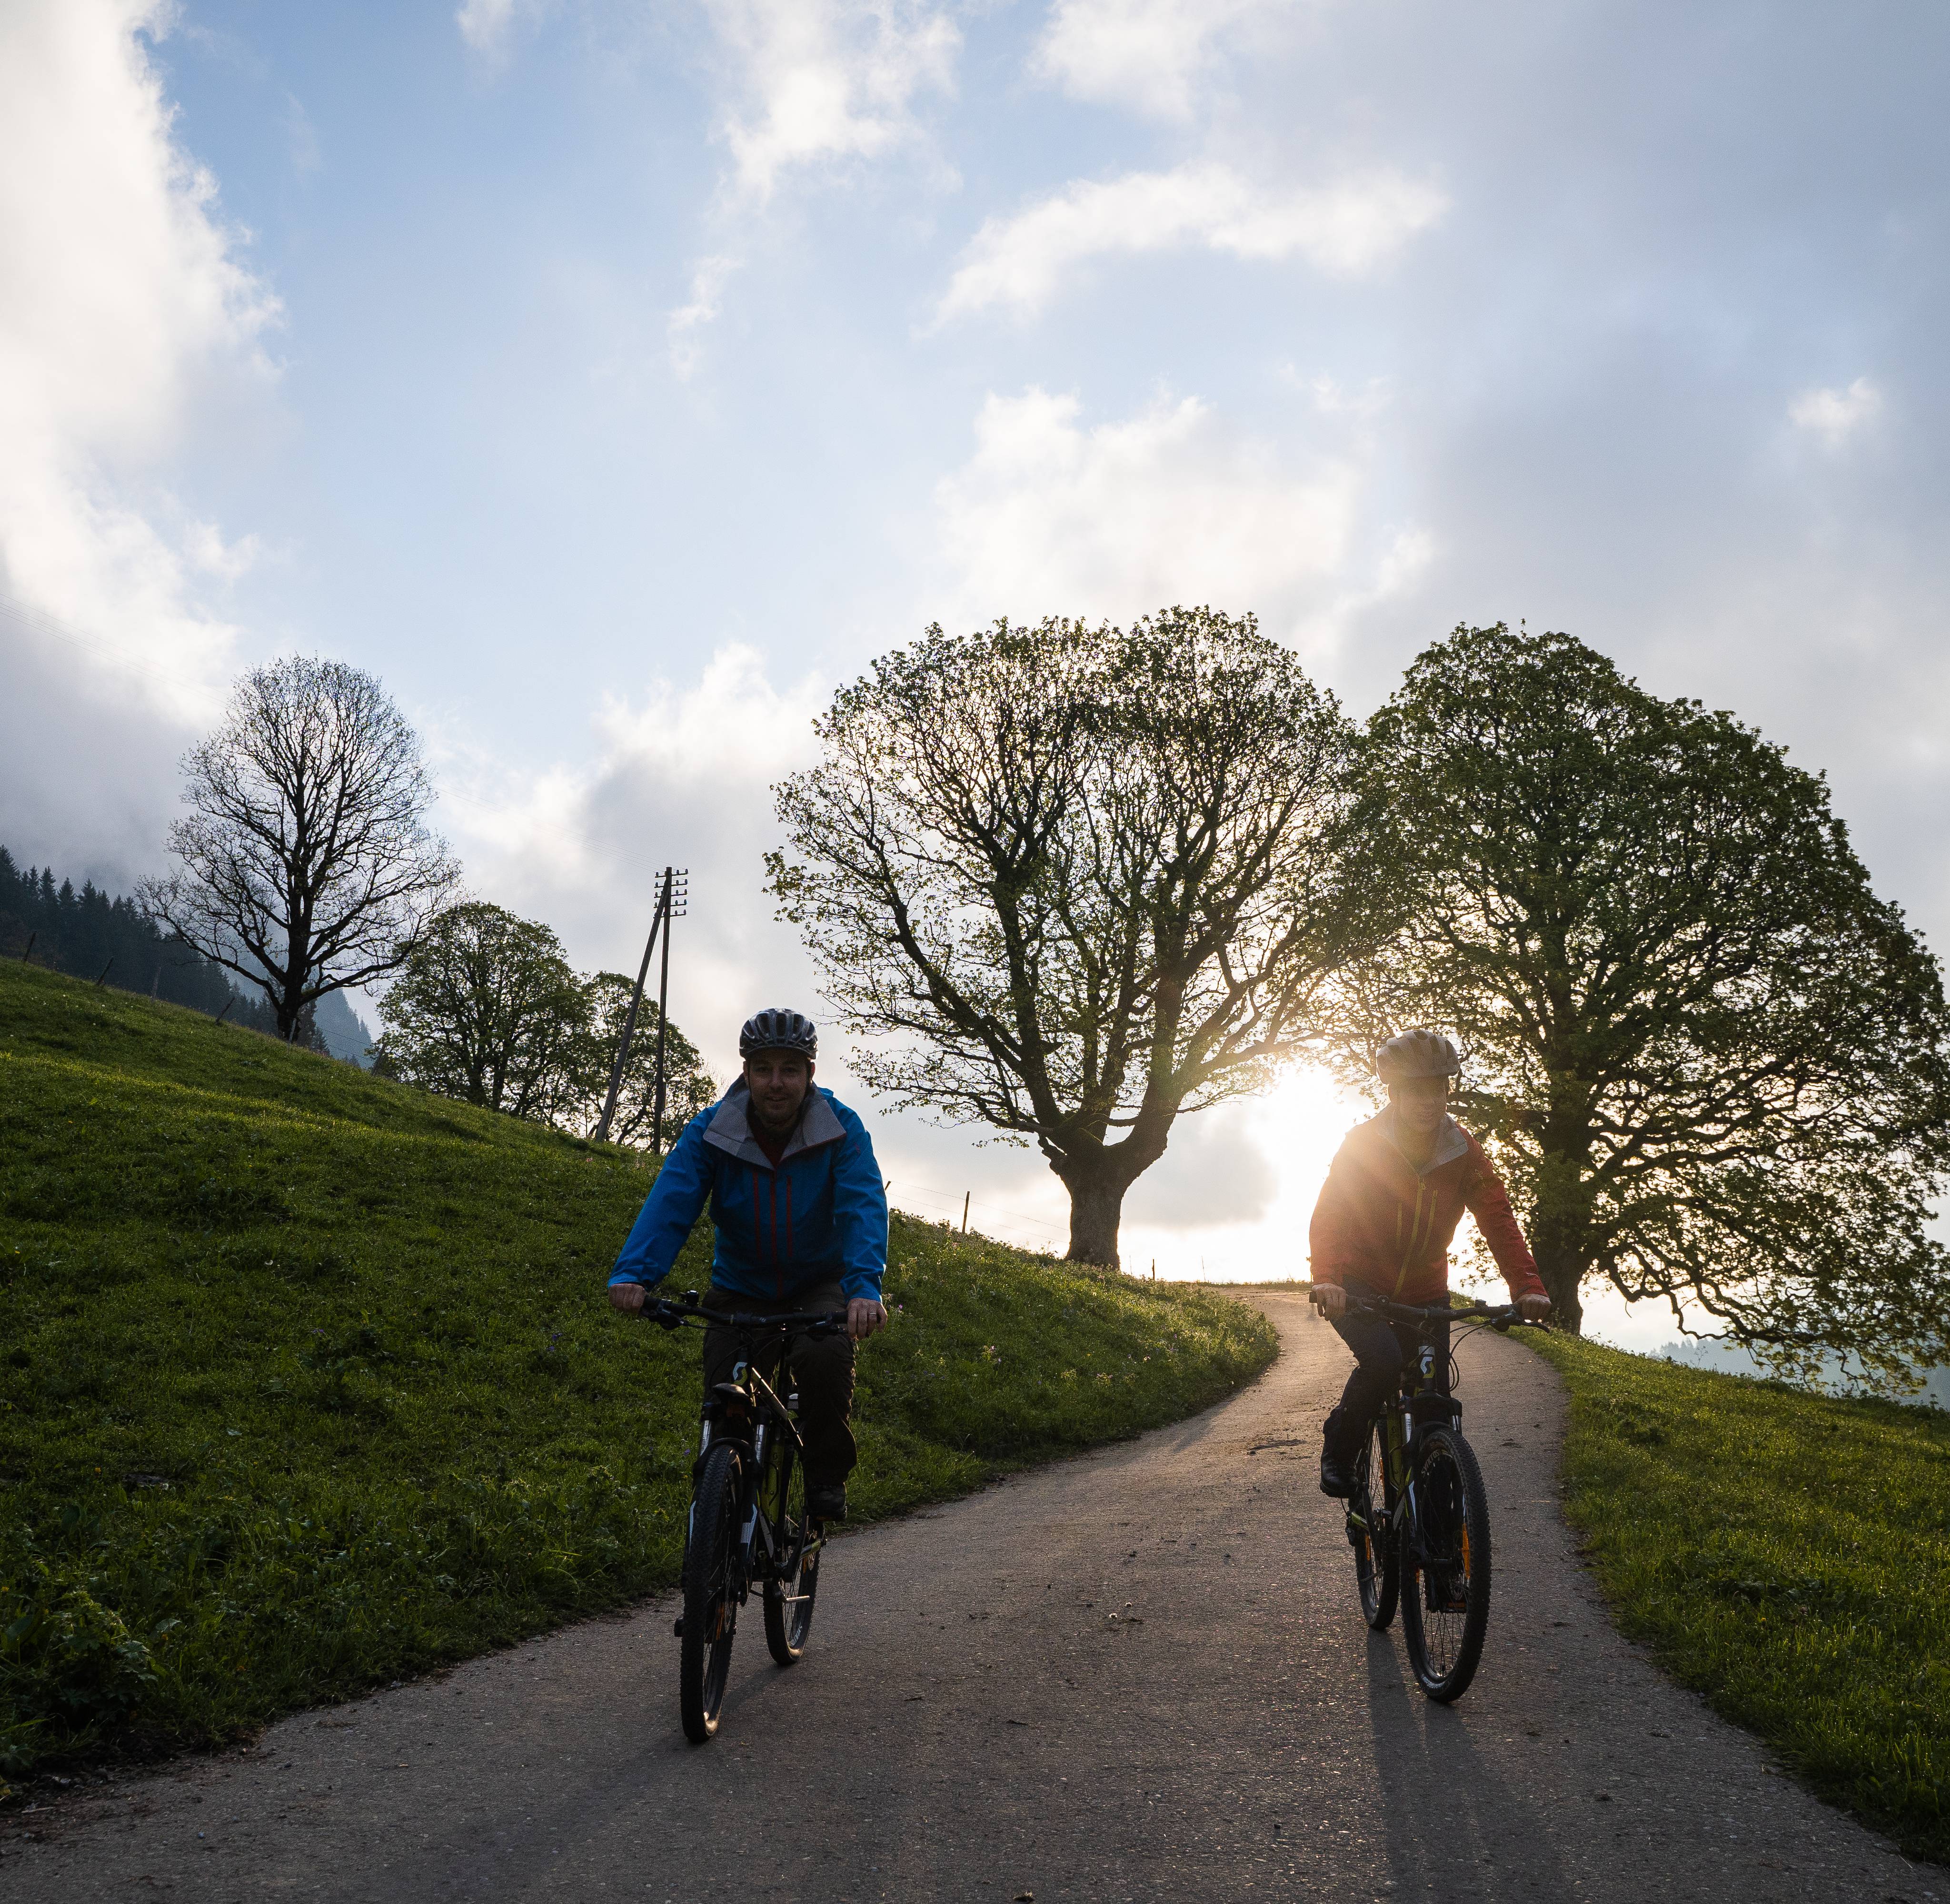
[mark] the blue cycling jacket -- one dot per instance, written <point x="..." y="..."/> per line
<point x="820" y="1217"/>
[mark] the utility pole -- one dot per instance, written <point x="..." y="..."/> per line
<point x="676" y="904"/>
<point x="672" y="889"/>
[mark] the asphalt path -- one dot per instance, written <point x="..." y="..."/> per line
<point x="1140" y="1674"/>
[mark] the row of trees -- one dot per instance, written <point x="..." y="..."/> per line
<point x="1073" y="883"/>
<point x="305" y="866"/>
<point x="485" y="1007"/>
<point x="95" y="935"/>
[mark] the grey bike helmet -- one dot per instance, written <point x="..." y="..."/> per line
<point x="776" y="1029"/>
<point x="1418" y="1053"/>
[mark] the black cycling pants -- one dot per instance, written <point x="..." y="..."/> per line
<point x="1382" y="1349"/>
<point x="822" y="1367"/>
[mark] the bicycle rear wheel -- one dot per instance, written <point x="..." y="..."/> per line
<point x="710" y="1598"/>
<point x="789" y="1597"/>
<point x="1377" y="1572"/>
<point x="1446" y="1565"/>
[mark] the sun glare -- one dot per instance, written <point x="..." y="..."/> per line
<point x="1296" y="1127"/>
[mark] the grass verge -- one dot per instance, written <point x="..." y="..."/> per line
<point x="306" y="1381"/>
<point x="1786" y="1554"/>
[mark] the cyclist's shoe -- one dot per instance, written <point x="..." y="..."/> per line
<point x="827" y="1503"/>
<point x="1337" y="1457"/>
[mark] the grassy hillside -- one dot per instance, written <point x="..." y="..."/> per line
<point x="1787" y="1555"/>
<point x="306" y="1381"/>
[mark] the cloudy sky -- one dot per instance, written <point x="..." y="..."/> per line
<point x="613" y="379"/>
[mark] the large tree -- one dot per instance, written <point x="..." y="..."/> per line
<point x="1713" y="1060"/>
<point x="306" y="863"/>
<point x="485" y="1009"/>
<point x="1079" y="880"/>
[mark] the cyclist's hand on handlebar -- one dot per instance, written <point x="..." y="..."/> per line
<point x="864" y="1315"/>
<point x="1534" y="1307"/>
<point x="1330" y="1299"/>
<point x="629" y="1297"/>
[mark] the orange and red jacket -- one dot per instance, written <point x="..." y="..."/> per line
<point x="1382" y="1225"/>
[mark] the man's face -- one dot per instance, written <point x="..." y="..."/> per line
<point x="778" y="1082"/>
<point x="1420" y="1102"/>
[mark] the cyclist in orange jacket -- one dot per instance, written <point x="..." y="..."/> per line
<point x="1396" y="1190"/>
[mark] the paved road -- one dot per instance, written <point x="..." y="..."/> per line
<point x="1138" y="1675"/>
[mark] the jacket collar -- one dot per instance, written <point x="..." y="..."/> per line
<point x="1450" y="1144"/>
<point x="730" y="1128"/>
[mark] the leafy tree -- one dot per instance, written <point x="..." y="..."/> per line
<point x="485" y="1009"/>
<point x="1712" y="1061"/>
<point x="688" y="1087"/>
<point x="1084" y="879"/>
<point x="306" y="865"/>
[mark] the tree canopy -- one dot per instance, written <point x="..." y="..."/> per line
<point x="1079" y="880"/>
<point x="1711" y="1060"/>
<point x="487" y="1008"/>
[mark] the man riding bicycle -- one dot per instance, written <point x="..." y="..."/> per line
<point x="1396" y="1190"/>
<point x="799" y="1220"/>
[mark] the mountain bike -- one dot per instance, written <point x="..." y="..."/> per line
<point x="748" y="1525"/>
<point x="1419" y="1517"/>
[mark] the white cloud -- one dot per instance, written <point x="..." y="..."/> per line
<point x="1148" y="55"/>
<point x="680" y="775"/>
<point x="489" y="27"/>
<point x="707" y="283"/>
<point x="825" y="81"/>
<point x="1050" y="517"/>
<point x="1835" y="415"/>
<point x="1346" y="230"/>
<point x="121" y="299"/>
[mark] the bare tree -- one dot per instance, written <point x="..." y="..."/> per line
<point x="1084" y="879"/>
<point x="306" y="865"/>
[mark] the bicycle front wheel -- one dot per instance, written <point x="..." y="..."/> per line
<point x="710" y="1598"/>
<point x="1370" y="1532"/>
<point x="1446" y="1565"/>
<point x="789" y="1596"/>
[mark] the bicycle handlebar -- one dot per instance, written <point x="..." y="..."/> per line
<point x="672" y="1315"/>
<point x="1500" y="1316"/>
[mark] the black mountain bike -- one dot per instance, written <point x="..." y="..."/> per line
<point x="1418" y="1518"/>
<point x="748" y="1525"/>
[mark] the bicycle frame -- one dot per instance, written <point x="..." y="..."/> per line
<point x="750" y="1393"/>
<point x="749" y="1411"/>
<point x="1399" y="1413"/>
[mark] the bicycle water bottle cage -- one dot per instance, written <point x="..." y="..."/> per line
<point x="1431" y="1406"/>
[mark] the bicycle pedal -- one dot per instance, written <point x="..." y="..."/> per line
<point x="676" y="1626"/>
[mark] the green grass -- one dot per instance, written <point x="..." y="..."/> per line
<point x="1788" y="1555"/>
<point x="307" y="1382"/>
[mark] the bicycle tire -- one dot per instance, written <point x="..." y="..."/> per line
<point x="789" y="1596"/>
<point x="1445" y="1592"/>
<point x="710" y="1599"/>
<point x="1377" y="1564"/>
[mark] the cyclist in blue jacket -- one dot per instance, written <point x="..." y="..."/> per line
<point x="799" y="1217"/>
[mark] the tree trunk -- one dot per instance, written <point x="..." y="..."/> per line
<point x="1563" y="1273"/>
<point x="1096" y="1209"/>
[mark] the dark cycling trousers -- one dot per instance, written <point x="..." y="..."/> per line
<point x="823" y="1368"/>
<point x="1382" y="1349"/>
